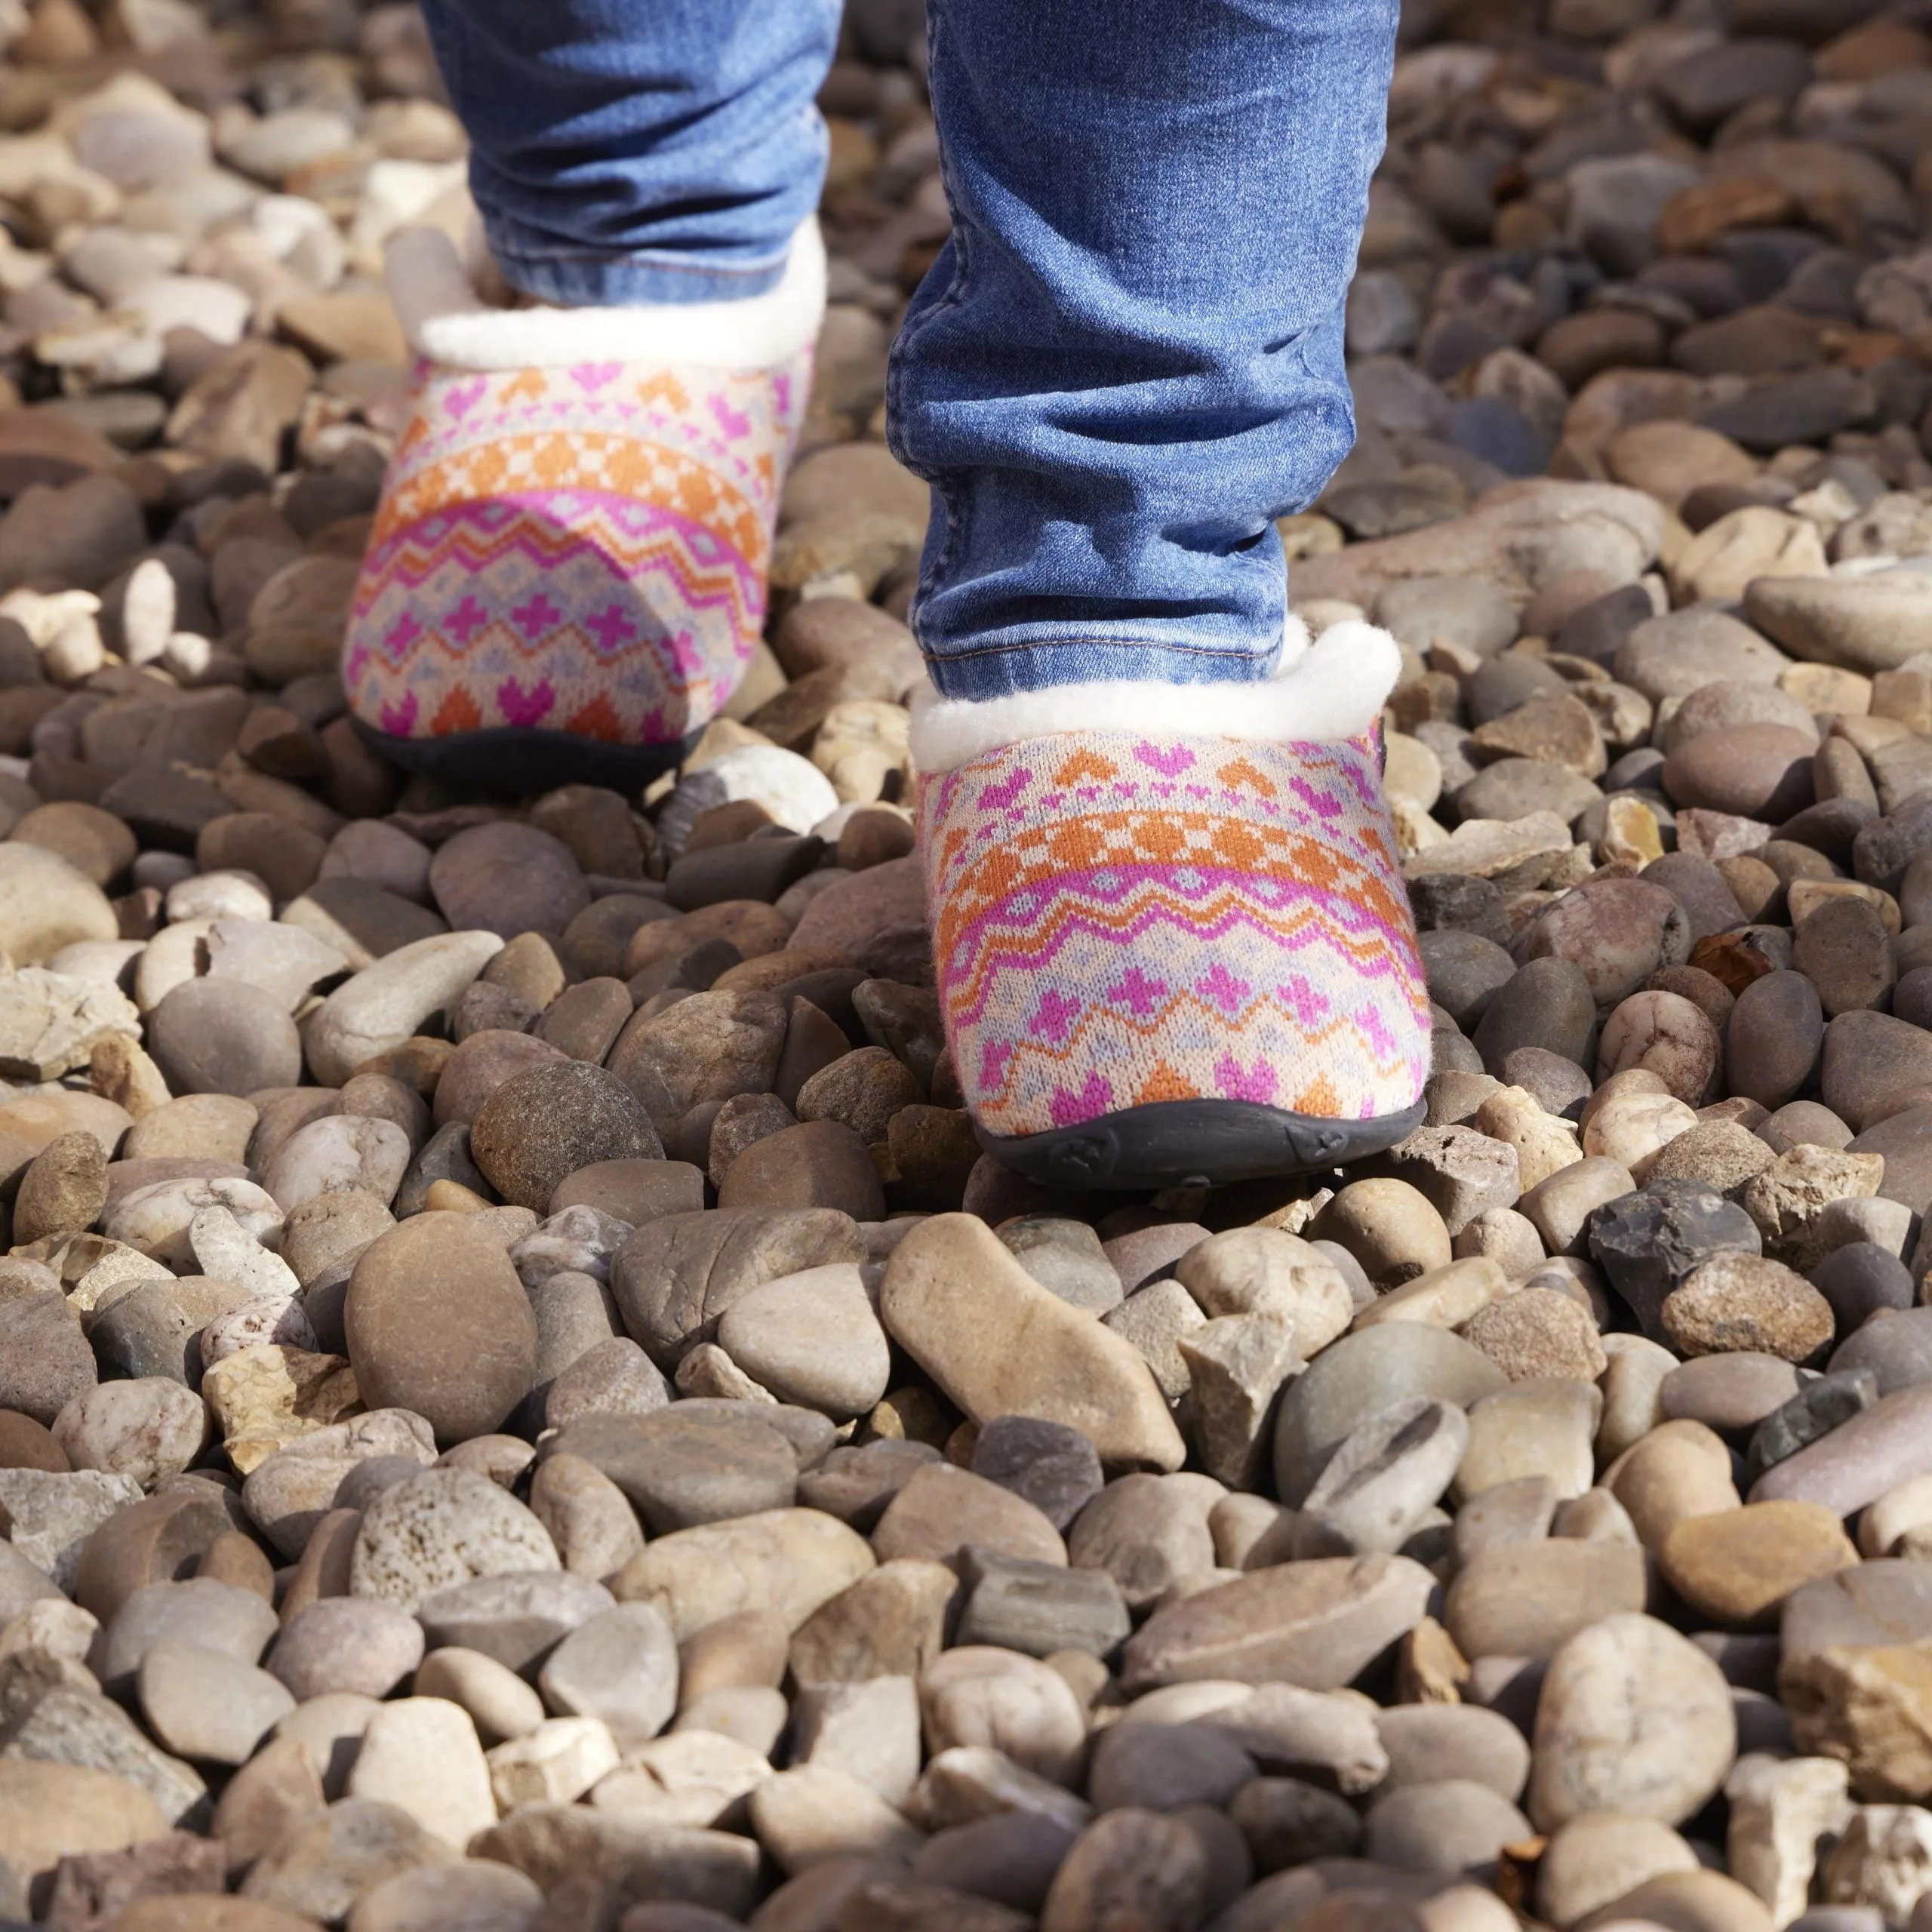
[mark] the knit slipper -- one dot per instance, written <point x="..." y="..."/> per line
<point x="567" y="575"/>
<point x="1172" y="941"/>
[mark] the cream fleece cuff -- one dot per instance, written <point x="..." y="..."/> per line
<point x="1321" y="693"/>
<point x="447" y="321"/>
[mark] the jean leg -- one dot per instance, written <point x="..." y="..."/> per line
<point x="1127" y="361"/>
<point x="639" y="150"/>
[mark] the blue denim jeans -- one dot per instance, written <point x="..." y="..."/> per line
<point x="1127" y="361"/>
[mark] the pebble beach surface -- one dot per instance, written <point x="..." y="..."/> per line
<point x="523" y="1407"/>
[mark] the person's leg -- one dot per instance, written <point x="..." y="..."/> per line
<point x="1127" y="361"/>
<point x="567" y="574"/>
<point x="639" y="150"/>
<point x="1171" y="935"/>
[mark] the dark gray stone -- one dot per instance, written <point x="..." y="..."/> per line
<point x="1895" y="1345"/>
<point x="1546" y="1003"/>
<point x="1465" y="972"/>
<point x="443" y="1156"/>
<point x="1860" y="1278"/>
<point x="1646" y="1242"/>
<point x="1814" y="1411"/>
<point x="687" y="1464"/>
<point x="1053" y="1467"/>
<point x="1455" y="902"/>
<point x="1039" y="1608"/>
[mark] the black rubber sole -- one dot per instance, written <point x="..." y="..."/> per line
<point x="1195" y="1143"/>
<point x="516" y="758"/>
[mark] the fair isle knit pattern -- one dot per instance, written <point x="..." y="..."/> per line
<point x="580" y="547"/>
<point x="1124" y="919"/>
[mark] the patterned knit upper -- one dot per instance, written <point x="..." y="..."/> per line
<point x="583" y="549"/>
<point x="1123" y="919"/>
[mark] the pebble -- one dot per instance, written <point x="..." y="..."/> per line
<point x="438" y="1323"/>
<point x="346" y="1644"/>
<point x="1633" y="1719"/>
<point x="443" y="1527"/>
<point x="421" y="1756"/>
<point x="812" y="1338"/>
<point x="1747" y="1301"/>
<point x="1737" y="1567"/>
<point x="950" y="1279"/>
<point x="386" y="1002"/>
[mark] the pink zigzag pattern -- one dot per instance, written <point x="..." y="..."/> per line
<point x="625" y="614"/>
<point x="1126" y="940"/>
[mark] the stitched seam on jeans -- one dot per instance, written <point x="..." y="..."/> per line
<point x="638" y="259"/>
<point x="952" y="654"/>
<point x="954" y="540"/>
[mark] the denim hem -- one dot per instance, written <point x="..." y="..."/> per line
<point x="996" y="670"/>
<point x="615" y="282"/>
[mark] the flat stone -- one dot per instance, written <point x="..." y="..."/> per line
<point x="951" y="1280"/>
<point x="942" y="1511"/>
<point x="1315" y="1623"/>
<point x="1821" y="1406"/>
<point x="812" y="1338"/>
<point x="1383" y="1479"/>
<point x="233" y="1622"/>
<point x="346" y="1644"/>
<point x="1737" y="1568"/>
<point x="387" y="1002"/>
<point x="1362" y="1373"/>
<point x="516" y="1620"/>
<point x="1038" y="1608"/>
<point x="1856" y="1463"/>
<point x="1053" y="1467"/>
<point x="684" y="1466"/>
<point x="790" y="1561"/>
<point x="620" y="1666"/>
<point x="203" y="1704"/>
<point x="1529" y="1599"/>
<point x="676" y="1275"/>
<point x="507" y="879"/>
<point x="1870" y="624"/>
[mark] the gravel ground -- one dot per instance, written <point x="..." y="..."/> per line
<point x="522" y="1406"/>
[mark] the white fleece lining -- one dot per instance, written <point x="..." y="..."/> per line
<point x="1320" y="693"/>
<point x="446" y="319"/>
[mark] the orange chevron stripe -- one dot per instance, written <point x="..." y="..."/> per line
<point x="587" y="461"/>
<point x="415" y="560"/>
<point x="958" y="912"/>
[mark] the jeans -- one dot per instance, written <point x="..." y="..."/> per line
<point x="1126" y="363"/>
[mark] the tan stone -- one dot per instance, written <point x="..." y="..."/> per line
<point x="1444" y="1298"/>
<point x="1870" y="1706"/>
<point x="265" y="1397"/>
<point x="1680" y="1469"/>
<point x="1781" y="1809"/>
<point x="1738" y="1566"/>
<point x="52" y="1811"/>
<point x="790" y="1562"/>
<point x="951" y="1284"/>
